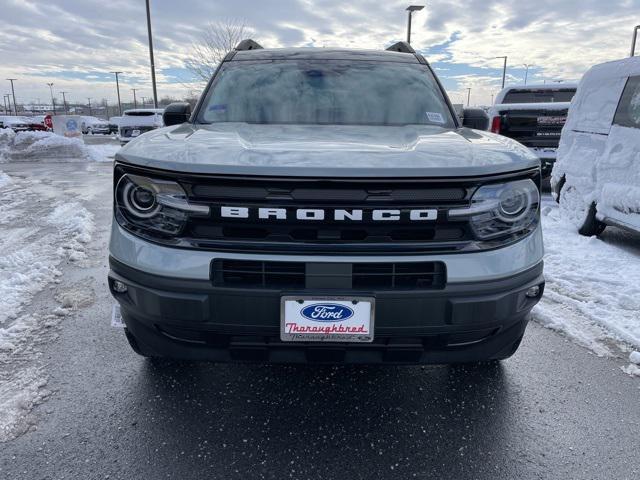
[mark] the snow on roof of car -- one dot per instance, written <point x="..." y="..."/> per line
<point x="143" y="110"/>
<point x="324" y="54"/>
<point x="599" y="92"/>
<point x="535" y="87"/>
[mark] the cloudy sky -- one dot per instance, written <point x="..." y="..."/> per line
<point x="76" y="43"/>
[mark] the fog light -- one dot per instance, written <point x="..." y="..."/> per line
<point x="119" y="287"/>
<point x="533" y="292"/>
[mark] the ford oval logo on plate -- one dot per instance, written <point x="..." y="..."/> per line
<point x="327" y="312"/>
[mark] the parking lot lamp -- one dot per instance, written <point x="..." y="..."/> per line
<point x="4" y="97"/>
<point x="13" y="94"/>
<point x="504" y="71"/>
<point x="526" y="72"/>
<point x="53" y="102"/>
<point x="633" y="41"/>
<point x="153" y="66"/>
<point x="411" y="9"/>
<point x="468" y="96"/>
<point x="118" y="90"/>
<point x="135" y="100"/>
<point x="64" y="102"/>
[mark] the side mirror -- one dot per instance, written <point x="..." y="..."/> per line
<point x="475" y="118"/>
<point x="176" y="113"/>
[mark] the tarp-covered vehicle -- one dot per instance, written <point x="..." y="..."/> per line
<point x="597" y="175"/>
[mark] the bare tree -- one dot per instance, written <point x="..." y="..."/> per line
<point x="213" y="45"/>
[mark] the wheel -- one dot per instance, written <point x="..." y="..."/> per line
<point x="579" y="212"/>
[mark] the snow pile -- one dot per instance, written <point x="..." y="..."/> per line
<point x="33" y="146"/>
<point x="36" y="237"/>
<point x="47" y="146"/>
<point x="593" y="288"/>
<point x="633" y="368"/>
<point x="6" y="139"/>
<point x="17" y="398"/>
<point x="76" y="224"/>
<point x="103" y="153"/>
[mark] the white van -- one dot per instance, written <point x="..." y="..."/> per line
<point x="597" y="175"/>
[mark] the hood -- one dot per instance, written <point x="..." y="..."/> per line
<point x="319" y="150"/>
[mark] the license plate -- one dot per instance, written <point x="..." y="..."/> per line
<point x="135" y="133"/>
<point x="327" y="319"/>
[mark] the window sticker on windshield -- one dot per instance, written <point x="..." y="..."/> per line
<point x="221" y="108"/>
<point x="435" y="117"/>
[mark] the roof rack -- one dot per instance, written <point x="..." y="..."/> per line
<point x="248" y="44"/>
<point x="402" y="47"/>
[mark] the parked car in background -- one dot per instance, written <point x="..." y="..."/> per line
<point x="135" y="122"/>
<point x="36" y="123"/>
<point x="534" y="116"/>
<point x="113" y="125"/>
<point x="17" y="124"/>
<point x="94" y="125"/>
<point x="597" y="175"/>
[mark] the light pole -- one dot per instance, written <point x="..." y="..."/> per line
<point x="468" y="96"/>
<point x="153" y="66"/>
<point x="64" y="102"/>
<point x="143" y="101"/>
<point x="118" y="90"/>
<point x="4" y="98"/>
<point x="633" y="41"/>
<point x="504" y="71"/>
<point x="526" y="73"/>
<point x="53" y="102"/>
<point x="89" y="99"/>
<point x="135" y="100"/>
<point x="13" y="94"/>
<point x="411" y="9"/>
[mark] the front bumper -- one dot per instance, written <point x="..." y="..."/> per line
<point x="194" y="320"/>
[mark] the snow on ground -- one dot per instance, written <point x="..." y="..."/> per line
<point x="37" y="234"/>
<point x="593" y="287"/>
<point x="39" y="146"/>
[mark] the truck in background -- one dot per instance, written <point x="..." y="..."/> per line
<point x="135" y="122"/>
<point x="534" y="115"/>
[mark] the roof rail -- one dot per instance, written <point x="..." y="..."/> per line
<point x="402" y="47"/>
<point x="248" y="44"/>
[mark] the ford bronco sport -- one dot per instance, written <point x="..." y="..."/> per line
<point x="325" y="206"/>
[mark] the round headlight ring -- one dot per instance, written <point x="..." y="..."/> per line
<point x="139" y="201"/>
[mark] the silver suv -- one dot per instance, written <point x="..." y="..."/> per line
<point x="325" y="206"/>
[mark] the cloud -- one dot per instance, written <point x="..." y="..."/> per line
<point x="75" y="44"/>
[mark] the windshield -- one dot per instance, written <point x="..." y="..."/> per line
<point x="539" y="96"/>
<point x="325" y="93"/>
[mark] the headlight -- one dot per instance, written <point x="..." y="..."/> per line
<point x="502" y="209"/>
<point x="159" y="206"/>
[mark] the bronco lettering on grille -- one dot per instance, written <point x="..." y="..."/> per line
<point x="339" y="215"/>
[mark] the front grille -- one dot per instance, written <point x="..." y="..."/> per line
<point x="344" y="276"/>
<point x="365" y="236"/>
